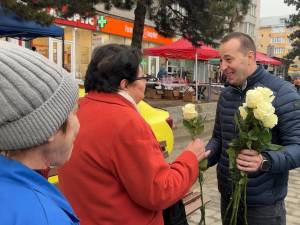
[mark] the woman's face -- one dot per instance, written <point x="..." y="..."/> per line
<point x="137" y="88"/>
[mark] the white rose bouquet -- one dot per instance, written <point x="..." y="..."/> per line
<point x="194" y="123"/>
<point x="255" y="119"/>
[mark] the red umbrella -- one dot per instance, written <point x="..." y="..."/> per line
<point x="264" y="59"/>
<point x="183" y="49"/>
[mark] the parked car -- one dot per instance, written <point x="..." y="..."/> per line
<point x="160" y="122"/>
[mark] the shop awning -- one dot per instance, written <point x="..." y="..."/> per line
<point x="264" y="59"/>
<point x="12" y="25"/>
<point x="260" y="58"/>
<point x="183" y="49"/>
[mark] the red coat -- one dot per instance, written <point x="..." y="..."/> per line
<point x="117" y="174"/>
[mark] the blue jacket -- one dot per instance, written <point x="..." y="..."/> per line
<point x="27" y="198"/>
<point x="264" y="188"/>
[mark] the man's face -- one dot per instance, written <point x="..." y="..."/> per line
<point x="235" y="64"/>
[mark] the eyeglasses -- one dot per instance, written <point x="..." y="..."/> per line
<point x="144" y="77"/>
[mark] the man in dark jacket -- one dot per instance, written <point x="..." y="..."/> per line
<point x="267" y="172"/>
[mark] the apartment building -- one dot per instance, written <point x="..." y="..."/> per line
<point x="273" y="37"/>
<point x="250" y="23"/>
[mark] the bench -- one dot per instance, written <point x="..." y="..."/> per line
<point x="192" y="202"/>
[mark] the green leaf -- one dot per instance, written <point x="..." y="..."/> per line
<point x="203" y="164"/>
<point x="253" y="134"/>
<point x="249" y="144"/>
<point x="266" y="136"/>
<point x="232" y="156"/>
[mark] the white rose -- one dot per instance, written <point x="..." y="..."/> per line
<point x="264" y="109"/>
<point x="270" y="121"/>
<point x="253" y="97"/>
<point x="189" y="111"/>
<point x="243" y="112"/>
<point x="267" y="94"/>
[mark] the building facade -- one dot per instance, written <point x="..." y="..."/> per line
<point x="250" y="23"/>
<point x="273" y="37"/>
<point x="83" y="35"/>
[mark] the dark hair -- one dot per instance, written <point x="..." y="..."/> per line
<point x="109" y="65"/>
<point x="247" y="43"/>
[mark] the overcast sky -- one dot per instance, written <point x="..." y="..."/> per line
<point x="275" y="8"/>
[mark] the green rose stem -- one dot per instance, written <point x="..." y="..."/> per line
<point x="202" y="165"/>
<point x="202" y="168"/>
<point x="240" y="188"/>
<point x="194" y="124"/>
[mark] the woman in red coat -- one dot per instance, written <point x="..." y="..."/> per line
<point x="117" y="174"/>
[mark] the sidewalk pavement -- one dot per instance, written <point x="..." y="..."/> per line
<point x="213" y="215"/>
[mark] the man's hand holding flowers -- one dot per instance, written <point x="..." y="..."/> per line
<point x="249" y="160"/>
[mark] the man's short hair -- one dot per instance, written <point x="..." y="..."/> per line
<point x="247" y="43"/>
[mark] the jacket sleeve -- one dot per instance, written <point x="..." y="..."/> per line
<point x="148" y="179"/>
<point x="287" y="106"/>
<point x="214" y="143"/>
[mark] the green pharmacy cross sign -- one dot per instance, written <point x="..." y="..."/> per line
<point x="101" y="21"/>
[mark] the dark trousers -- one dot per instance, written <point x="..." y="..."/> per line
<point x="265" y="215"/>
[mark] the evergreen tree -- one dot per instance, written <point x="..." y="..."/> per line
<point x="294" y="21"/>
<point x="197" y="20"/>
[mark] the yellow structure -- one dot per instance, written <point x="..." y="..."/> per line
<point x="273" y="37"/>
<point x="157" y="119"/>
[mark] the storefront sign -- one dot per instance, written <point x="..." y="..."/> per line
<point x="110" y="25"/>
<point x="77" y="21"/>
<point x="125" y="29"/>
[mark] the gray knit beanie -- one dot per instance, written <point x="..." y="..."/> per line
<point x="36" y="97"/>
<point x="295" y="75"/>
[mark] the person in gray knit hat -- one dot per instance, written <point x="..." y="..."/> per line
<point x="296" y="80"/>
<point x="38" y="125"/>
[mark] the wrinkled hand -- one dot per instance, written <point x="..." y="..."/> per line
<point x="198" y="148"/>
<point x="249" y="160"/>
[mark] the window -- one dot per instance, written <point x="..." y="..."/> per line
<point x="277" y="40"/>
<point x="178" y="8"/>
<point x="282" y="21"/>
<point x="252" y="10"/>
<point x="278" y="51"/>
<point x="277" y="29"/>
<point x="247" y="28"/>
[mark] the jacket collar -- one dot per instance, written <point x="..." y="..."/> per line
<point x="110" y="98"/>
<point x="256" y="76"/>
<point x="252" y="79"/>
<point x="19" y="174"/>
